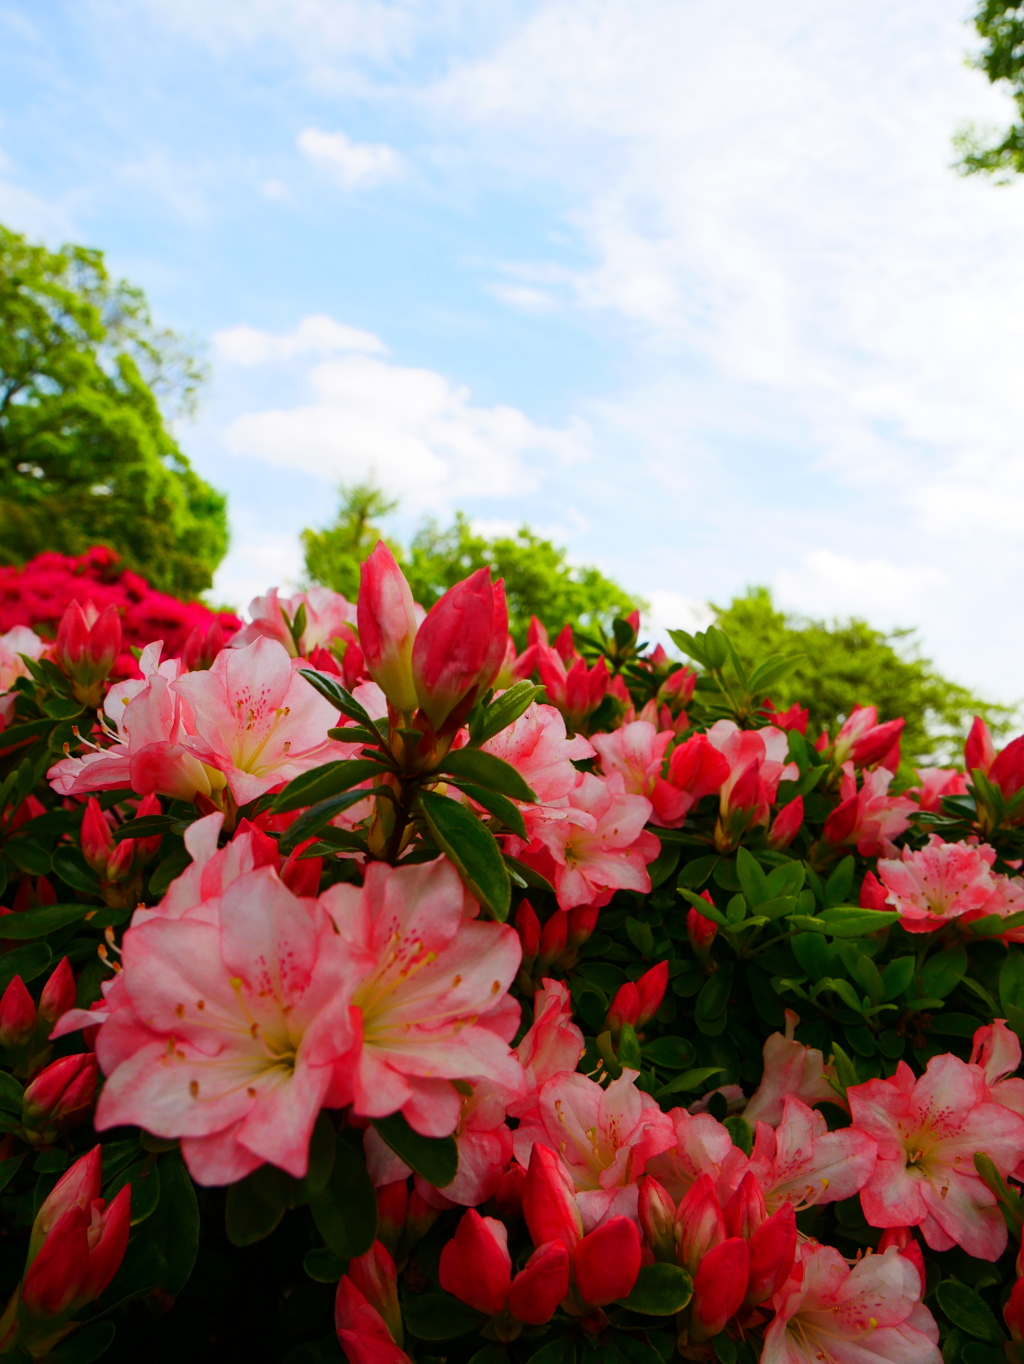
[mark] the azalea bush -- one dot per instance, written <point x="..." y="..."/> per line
<point x="373" y="989"/>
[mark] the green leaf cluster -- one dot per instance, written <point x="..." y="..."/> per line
<point x="1000" y="24"/>
<point x="85" y="455"/>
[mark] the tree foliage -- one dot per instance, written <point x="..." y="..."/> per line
<point x="538" y="580"/>
<point x="1000" y="23"/>
<point x="849" y="663"/>
<point x="85" y="455"/>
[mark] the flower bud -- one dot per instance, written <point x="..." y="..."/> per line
<point x="459" y="647"/>
<point x="745" y="1210"/>
<point x="17" y="1016"/>
<point x="362" y="1331"/>
<point x="387" y="627"/>
<point x="529" y="930"/>
<point x="202" y="646"/>
<point x="508" y="1196"/>
<point x="979" y="750"/>
<point x="676" y="692"/>
<point x="719" y="1287"/>
<point x="77" y="1260"/>
<point x="700" y="930"/>
<point x="392" y="1205"/>
<point x="657" y="1214"/>
<point x="373" y="1273"/>
<point x="77" y="1187"/>
<point x="772" y="1248"/>
<point x="582" y="922"/>
<point x="541" y="1284"/>
<point x="553" y="939"/>
<point x="1013" y="1311"/>
<point x="873" y="895"/>
<point x="700" y="1225"/>
<point x="786" y="824"/>
<point x="97" y="840"/>
<point x="650" y="989"/>
<point x="910" y="1248"/>
<point x="61" y="1096"/>
<point x="476" y="1267"/>
<point x="419" y="1218"/>
<point x="87" y="645"/>
<point x="58" y="994"/>
<point x="606" y="1262"/>
<point x="564" y="645"/>
<point x="549" y="1200"/>
<point x="624" y="1008"/>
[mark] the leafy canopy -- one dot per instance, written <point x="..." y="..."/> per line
<point x="85" y="456"/>
<point x="538" y="580"/>
<point x="1000" y="23"/>
<point x="849" y="663"/>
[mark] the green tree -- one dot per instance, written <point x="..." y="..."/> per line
<point x="1000" y="23"/>
<point x="85" y="455"/>
<point x="333" y="555"/>
<point x="538" y="581"/>
<point x="849" y="663"/>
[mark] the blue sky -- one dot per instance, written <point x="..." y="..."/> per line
<point x="693" y="289"/>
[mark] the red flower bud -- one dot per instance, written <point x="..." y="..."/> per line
<point x="786" y="824"/>
<point x="61" y="1096"/>
<point x="362" y="1331"/>
<point x="1013" y="1311"/>
<point x="607" y="1261"/>
<point x="909" y="1248"/>
<point x="772" y="1249"/>
<point x="700" y="1224"/>
<point x="302" y="874"/>
<point x="508" y="1196"/>
<point x="745" y="1210"/>
<point x="549" y="1200"/>
<point x="624" y="1008"/>
<point x="697" y="766"/>
<point x="582" y="922"/>
<point x="374" y="1275"/>
<point x="564" y="646"/>
<point x="419" y="1218"/>
<point x="17" y="1015"/>
<point x="528" y="928"/>
<point x="553" y="939"/>
<point x="387" y="627"/>
<point x="657" y="1214"/>
<point x="701" y="931"/>
<point x="719" y="1287"/>
<point x="873" y="895"/>
<point x="979" y="750"/>
<point x="1007" y="770"/>
<point x="79" y="1257"/>
<point x="392" y="1205"/>
<point x="96" y="837"/>
<point x="86" y="647"/>
<point x="203" y="646"/>
<point x="77" y="1187"/>
<point x="459" y="648"/>
<point x="58" y="994"/>
<point x="874" y="745"/>
<point x="541" y="1284"/>
<point x="650" y="990"/>
<point x="476" y="1267"/>
<point x="676" y="691"/>
<point x="841" y="822"/>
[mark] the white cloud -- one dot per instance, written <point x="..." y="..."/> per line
<point x="671" y="610"/>
<point x="351" y="163"/>
<point x="274" y="189"/>
<point x="314" y="335"/>
<point x="523" y="297"/>
<point x="411" y="429"/>
<point x="829" y="583"/>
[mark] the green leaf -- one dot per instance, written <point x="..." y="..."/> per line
<point x="897" y="977"/>
<point x="27" y="962"/>
<point x="484" y="769"/>
<point x="311" y="821"/>
<point x="689" y="1081"/>
<point x="435" y="1158"/>
<point x="332" y="690"/>
<point x="991" y="924"/>
<point x="771" y="671"/>
<point x="528" y="875"/>
<point x="670" y="1053"/>
<point x="439" y="1316"/>
<point x="144" y="1177"/>
<point x="844" y="921"/>
<point x="510" y="815"/>
<point x="725" y="1349"/>
<point x="968" y="1310"/>
<point x="28" y="855"/>
<point x="628" y="1050"/>
<point x="660" y="1290"/>
<point x="689" y="646"/>
<point x="254" y="1207"/>
<point x="702" y="907"/>
<point x="787" y="879"/>
<point x="9" y="1168"/>
<point x="175" y="1224"/>
<point x="323" y="782"/>
<point x="753" y="881"/>
<point x="74" y="871"/>
<point x="345" y="1210"/>
<point x="323" y="1265"/>
<point x="839" y="884"/>
<point x="943" y="973"/>
<point x="322" y="1148"/>
<point x="695" y="873"/>
<point x="486" y="721"/>
<point x="146" y="827"/>
<point x="715" y="992"/>
<point x="1011" y="980"/>
<point x="740" y="1131"/>
<point x="168" y="870"/>
<point x="86" y="1345"/>
<point x="11" y="1094"/>
<point x="471" y="847"/>
<point x="37" y="923"/>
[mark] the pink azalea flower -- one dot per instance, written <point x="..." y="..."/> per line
<point x="552" y="1044"/>
<point x="866" y="743"/>
<point x="432" y="1006"/>
<point x="765" y="750"/>
<point x="328" y="617"/>
<point x="996" y="1051"/>
<point x="946" y="881"/>
<point x="594" y="844"/>
<point x="802" y="1162"/>
<point x="195" y="894"/>
<point x="928" y="1131"/>
<point x="228" y="1035"/>
<point x="701" y="1146"/>
<point x="257" y="720"/>
<point x="937" y="782"/>
<point x="789" y="1068"/>
<point x="17" y="641"/>
<point x="605" y="1138"/>
<point x="869" y="818"/>
<point x="827" y="1310"/>
<point x="633" y="756"/>
<point x="537" y="747"/>
<point x="151" y="725"/>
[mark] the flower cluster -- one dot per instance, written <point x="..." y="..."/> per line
<point x="565" y="996"/>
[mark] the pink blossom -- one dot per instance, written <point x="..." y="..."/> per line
<point x="228" y="1034"/>
<point x="537" y="747"/>
<point x="257" y="720"/>
<point x="802" y="1162"/>
<point x="928" y="1131"/>
<point x="946" y="881"/>
<point x="871" y="1312"/>
<point x="328" y="617"/>
<point x="869" y="818"/>
<point x="937" y="782"/>
<point x="195" y="894"/>
<point x="766" y="750"/>
<point x="789" y="1068"/>
<point x="605" y="1138"/>
<point x="866" y="743"/>
<point x="151" y="726"/>
<point x="633" y="756"/>
<point x="432" y="1006"/>
<point x="17" y="641"/>
<point x="996" y="1051"/>
<point x="594" y="844"/>
<point x="702" y="1146"/>
<point x="552" y="1044"/>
